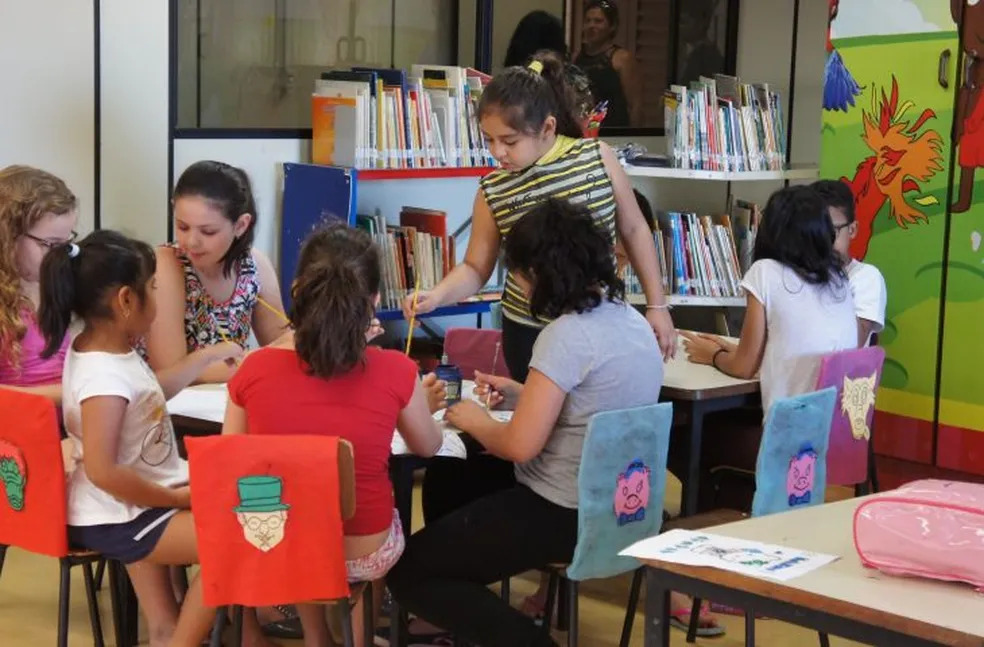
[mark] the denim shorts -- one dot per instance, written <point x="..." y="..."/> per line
<point x="125" y="542"/>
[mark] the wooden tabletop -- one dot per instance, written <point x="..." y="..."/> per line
<point x="684" y="380"/>
<point x="944" y="612"/>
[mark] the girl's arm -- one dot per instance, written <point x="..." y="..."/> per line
<point x="417" y="426"/>
<point x="102" y="420"/>
<point x="268" y="325"/>
<point x="467" y="278"/>
<point x="235" y="419"/>
<point x="193" y="365"/>
<point x="641" y="250"/>
<point x="522" y="438"/>
<point x="166" y="345"/>
<point x="743" y="360"/>
<point x="51" y="391"/>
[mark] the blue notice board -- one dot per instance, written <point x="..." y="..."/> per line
<point x="313" y="195"/>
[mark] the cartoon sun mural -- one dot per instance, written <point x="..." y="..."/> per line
<point x="901" y="159"/>
<point x="839" y="86"/>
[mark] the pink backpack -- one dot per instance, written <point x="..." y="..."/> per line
<point x="928" y="528"/>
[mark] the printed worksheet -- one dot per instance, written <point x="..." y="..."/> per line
<point x="752" y="558"/>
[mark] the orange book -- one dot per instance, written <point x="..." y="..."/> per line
<point x="333" y="130"/>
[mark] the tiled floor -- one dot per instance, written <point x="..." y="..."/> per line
<point x="29" y="594"/>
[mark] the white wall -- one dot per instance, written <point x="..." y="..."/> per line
<point x="134" y="43"/>
<point x="47" y="112"/>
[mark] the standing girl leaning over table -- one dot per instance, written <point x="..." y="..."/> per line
<point x="530" y="121"/>
<point x="527" y="115"/>
<point x="212" y="284"/>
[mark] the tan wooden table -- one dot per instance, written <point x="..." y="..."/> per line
<point x="842" y="598"/>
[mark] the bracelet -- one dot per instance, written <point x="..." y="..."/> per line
<point x="715" y="357"/>
<point x="662" y="306"/>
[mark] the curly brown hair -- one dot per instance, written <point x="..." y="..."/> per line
<point x="26" y="195"/>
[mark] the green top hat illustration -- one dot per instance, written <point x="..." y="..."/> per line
<point x="260" y="494"/>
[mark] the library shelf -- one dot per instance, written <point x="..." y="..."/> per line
<point x="794" y="173"/>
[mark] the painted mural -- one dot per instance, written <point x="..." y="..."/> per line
<point x="886" y="132"/>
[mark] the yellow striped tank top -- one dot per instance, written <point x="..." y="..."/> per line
<point x="572" y="169"/>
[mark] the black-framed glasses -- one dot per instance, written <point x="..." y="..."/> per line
<point x="841" y="227"/>
<point x="49" y="244"/>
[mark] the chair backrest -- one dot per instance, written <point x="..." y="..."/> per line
<point x="791" y="469"/>
<point x="268" y="517"/>
<point x="856" y="375"/>
<point x="472" y="349"/>
<point x="33" y="509"/>
<point x="620" y="487"/>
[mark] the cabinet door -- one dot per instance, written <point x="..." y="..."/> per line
<point x="892" y="146"/>
<point x="960" y="438"/>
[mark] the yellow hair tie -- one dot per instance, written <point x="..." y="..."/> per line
<point x="536" y="67"/>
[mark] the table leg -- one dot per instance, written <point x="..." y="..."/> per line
<point x="657" y="625"/>
<point x="125" y="603"/>
<point x="401" y="473"/>
<point x="691" y="484"/>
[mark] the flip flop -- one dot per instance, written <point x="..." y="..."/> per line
<point x="706" y="627"/>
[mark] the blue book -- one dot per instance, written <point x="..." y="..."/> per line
<point x="314" y="195"/>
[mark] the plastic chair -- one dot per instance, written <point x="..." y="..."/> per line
<point x="475" y="349"/>
<point x="34" y="510"/>
<point x="621" y="483"/>
<point x="856" y="375"/>
<point x="790" y="471"/>
<point x="268" y="515"/>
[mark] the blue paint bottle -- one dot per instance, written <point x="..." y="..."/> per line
<point x="451" y="376"/>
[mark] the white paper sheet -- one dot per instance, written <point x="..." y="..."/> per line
<point x="752" y="558"/>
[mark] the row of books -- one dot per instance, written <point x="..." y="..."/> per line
<point x="416" y="254"/>
<point x="703" y="255"/>
<point x="722" y="124"/>
<point x="371" y="118"/>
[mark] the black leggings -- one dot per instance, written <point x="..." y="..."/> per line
<point x="445" y="571"/>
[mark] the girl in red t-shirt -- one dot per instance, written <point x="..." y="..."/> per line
<point x="322" y="378"/>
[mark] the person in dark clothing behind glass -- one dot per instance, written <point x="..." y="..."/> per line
<point x="700" y="54"/>
<point x="537" y="30"/>
<point x="540" y="31"/>
<point x="612" y="70"/>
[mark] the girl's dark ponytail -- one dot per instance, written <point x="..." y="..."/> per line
<point x="333" y="299"/>
<point x="525" y="96"/>
<point x="75" y="279"/>
<point x="57" y="296"/>
<point x="554" y="72"/>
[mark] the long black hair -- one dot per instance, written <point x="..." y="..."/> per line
<point x="569" y="260"/>
<point x="526" y="97"/>
<point x="537" y="30"/>
<point x="76" y="278"/>
<point x="228" y="189"/>
<point x="333" y="298"/>
<point x="796" y="231"/>
<point x="837" y="195"/>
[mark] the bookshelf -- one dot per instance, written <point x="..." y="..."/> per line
<point x="680" y="300"/>
<point x="794" y="173"/>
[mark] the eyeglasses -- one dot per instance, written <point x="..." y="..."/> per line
<point x="841" y="227"/>
<point x="49" y="244"/>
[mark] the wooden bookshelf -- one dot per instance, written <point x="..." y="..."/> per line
<point x="794" y="173"/>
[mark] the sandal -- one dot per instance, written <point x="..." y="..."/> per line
<point x="706" y="627"/>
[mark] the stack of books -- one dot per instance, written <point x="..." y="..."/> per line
<point x="416" y="254"/>
<point x="703" y="255"/>
<point x="722" y="124"/>
<point x="371" y="118"/>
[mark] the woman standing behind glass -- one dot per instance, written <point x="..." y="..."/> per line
<point x="612" y="69"/>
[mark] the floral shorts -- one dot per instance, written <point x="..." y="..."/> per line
<point x="376" y="565"/>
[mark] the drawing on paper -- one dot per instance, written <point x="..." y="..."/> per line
<point x="799" y="478"/>
<point x="857" y="399"/>
<point x="632" y="493"/>
<point x="13" y="473"/>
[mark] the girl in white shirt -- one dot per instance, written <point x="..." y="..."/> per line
<point x="799" y="308"/>
<point x="128" y="496"/>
